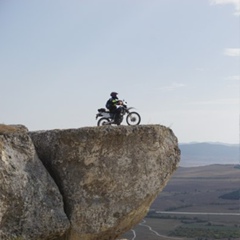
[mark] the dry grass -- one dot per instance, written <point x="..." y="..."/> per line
<point x="11" y="128"/>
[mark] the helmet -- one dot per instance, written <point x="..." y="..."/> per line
<point x="113" y="94"/>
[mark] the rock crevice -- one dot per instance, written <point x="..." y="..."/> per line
<point x="30" y="204"/>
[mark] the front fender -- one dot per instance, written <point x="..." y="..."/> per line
<point x="130" y="108"/>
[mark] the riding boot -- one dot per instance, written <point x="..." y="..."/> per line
<point x="116" y="117"/>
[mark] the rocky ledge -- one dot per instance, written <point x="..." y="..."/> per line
<point x="92" y="183"/>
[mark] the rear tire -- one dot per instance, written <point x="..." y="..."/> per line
<point x="133" y="118"/>
<point x="103" y="121"/>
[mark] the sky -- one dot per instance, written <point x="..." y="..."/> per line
<point x="177" y="62"/>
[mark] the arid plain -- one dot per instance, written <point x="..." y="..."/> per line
<point x="199" y="203"/>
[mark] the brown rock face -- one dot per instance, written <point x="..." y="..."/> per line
<point x="108" y="176"/>
<point x="31" y="205"/>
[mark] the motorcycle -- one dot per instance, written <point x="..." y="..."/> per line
<point x="107" y="118"/>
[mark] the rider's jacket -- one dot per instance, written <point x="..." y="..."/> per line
<point x="111" y="104"/>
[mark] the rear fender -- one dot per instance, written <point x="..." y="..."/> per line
<point x="98" y="115"/>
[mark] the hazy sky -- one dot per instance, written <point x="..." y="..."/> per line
<point x="177" y="62"/>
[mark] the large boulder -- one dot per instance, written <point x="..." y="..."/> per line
<point x="108" y="176"/>
<point x="31" y="205"/>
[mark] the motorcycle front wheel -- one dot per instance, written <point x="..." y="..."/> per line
<point x="133" y="118"/>
<point x="103" y="121"/>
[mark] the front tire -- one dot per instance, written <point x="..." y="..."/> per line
<point x="133" y="118"/>
<point x="103" y="121"/>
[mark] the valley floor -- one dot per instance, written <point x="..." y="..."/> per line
<point x="197" y="203"/>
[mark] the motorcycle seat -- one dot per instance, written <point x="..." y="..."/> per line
<point x="102" y="110"/>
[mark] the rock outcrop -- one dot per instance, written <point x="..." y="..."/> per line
<point x="92" y="183"/>
<point x="108" y="176"/>
<point x="31" y="205"/>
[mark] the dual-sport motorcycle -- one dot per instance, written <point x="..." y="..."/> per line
<point x="107" y="118"/>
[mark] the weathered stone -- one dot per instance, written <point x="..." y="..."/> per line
<point x="108" y="176"/>
<point x="31" y="206"/>
<point x="5" y="129"/>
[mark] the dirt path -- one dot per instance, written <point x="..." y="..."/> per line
<point x="151" y="230"/>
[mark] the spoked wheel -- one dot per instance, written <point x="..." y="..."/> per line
<point x="103" y="121"/>
<point x="133" y="118"/>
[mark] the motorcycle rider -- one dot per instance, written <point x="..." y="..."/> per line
<point x="111" y="105"/>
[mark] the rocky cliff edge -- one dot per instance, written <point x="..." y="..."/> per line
<point x="92" y="183"/>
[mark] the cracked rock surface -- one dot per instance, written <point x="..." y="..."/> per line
<point x="108" y="176"/>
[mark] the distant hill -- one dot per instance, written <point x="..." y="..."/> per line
<point x="200" y="154"/>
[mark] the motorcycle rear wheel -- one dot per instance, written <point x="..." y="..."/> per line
<point x="103" y="121"/>
<point x="133" y="118"/>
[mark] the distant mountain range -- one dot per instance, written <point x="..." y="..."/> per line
<point x="200" y="154"/>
